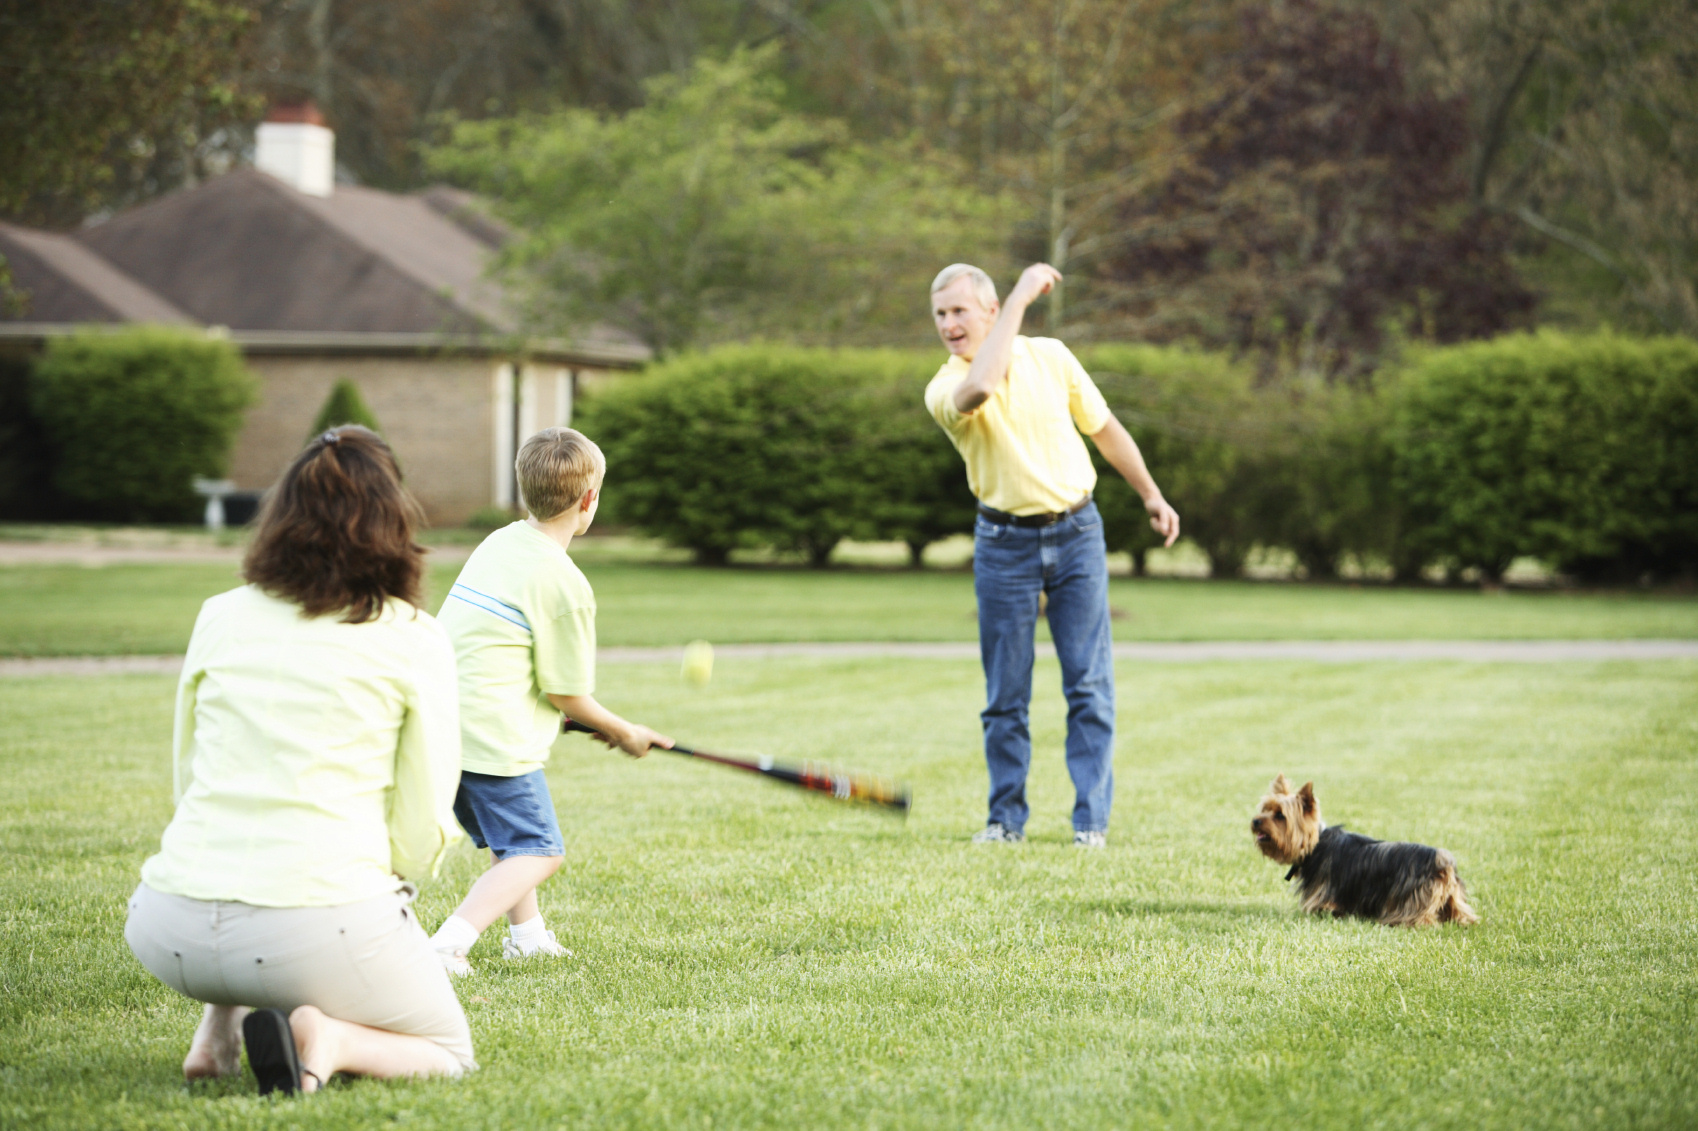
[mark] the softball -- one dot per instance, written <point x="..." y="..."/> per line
<point x="698" y="663"/>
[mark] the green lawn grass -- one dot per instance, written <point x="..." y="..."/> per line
<point x="129" y="609"/>
<point x="746" y="957"/>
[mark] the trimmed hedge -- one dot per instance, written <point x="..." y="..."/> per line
<point x="26" y="459"/>
<point x="344" y="405"/>
<point x="779" y="446"/>
<point x="1193" y="416"/>
<point x="133" y="416"/>
<point x="1581" y="451"/>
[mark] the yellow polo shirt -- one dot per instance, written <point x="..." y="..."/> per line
<point x="315" y="761"/>
<point x="522" y="618"/>
<point x="1022" y="447"/>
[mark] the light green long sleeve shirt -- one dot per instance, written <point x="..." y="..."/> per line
<point x="314" y="761"/>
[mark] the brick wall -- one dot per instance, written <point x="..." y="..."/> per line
<point x="435" y="412"/>
<point x="438" y="413"/>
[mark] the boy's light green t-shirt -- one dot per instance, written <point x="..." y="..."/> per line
<point x="522" y="618"/>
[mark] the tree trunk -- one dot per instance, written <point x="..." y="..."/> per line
<point x="323" y="68"/>
<point x="1140" y="562"/>
<point x="712" y="555"/>
<point x="917" y="555"/>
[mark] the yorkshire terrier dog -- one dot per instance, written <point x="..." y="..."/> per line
<point x="1403" y="885"/>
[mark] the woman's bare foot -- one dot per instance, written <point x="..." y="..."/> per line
<point x="217" y="1047"/>
<point x="316" y="1044"/>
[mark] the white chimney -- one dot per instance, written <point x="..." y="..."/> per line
<point x="294" y="146"/>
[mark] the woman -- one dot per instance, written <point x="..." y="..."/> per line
<point x="316" y="756"/>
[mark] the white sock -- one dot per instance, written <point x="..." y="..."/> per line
<point x="529" y="933"/>
<point x="455" y="934"/>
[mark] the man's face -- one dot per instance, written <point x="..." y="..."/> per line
<point x="962" y="321"/>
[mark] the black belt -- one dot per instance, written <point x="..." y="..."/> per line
<point x="1003" y="518"/>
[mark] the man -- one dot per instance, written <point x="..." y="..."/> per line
<point x="1014" y="407"/>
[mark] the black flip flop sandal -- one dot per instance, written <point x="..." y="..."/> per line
<point x="271" y="1051"/>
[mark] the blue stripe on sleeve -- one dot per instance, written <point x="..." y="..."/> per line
<point x="490" y="605"/>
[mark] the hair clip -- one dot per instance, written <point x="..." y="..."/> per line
<point x="330" y="437"/>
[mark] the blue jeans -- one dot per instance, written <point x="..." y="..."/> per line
<point x="1011" y="566"/>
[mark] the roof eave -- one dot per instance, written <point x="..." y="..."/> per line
<point x="339" y="343"/>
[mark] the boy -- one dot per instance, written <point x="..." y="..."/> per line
<point x="522" y="618"/>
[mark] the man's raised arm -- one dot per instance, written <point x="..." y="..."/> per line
<point x="990" y="365"/>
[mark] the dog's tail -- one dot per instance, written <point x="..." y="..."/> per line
<point x="1453" y="905"/>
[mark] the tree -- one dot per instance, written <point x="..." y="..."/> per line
<point x="383" y="73"/>
<point x="1320" y="207"/>
<point x="1582" y="115"/>
<point x="1060" y="104"/>
<point x="711" y="212"/>
<point x="110" y="103"/>
<point x="344" y="405"/>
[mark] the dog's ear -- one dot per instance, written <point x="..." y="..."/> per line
<point x="1280" y="785"/>
<point x="1307" y="796"/>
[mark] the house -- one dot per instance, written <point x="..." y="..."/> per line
<point x="316" y="281"/>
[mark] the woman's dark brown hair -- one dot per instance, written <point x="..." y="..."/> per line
<point x="336" y="533"/>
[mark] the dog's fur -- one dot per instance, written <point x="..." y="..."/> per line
<point x="1403" y="885"/>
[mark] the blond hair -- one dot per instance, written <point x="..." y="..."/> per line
<point x="983" y="288"/>
<point x="556" y="467"/>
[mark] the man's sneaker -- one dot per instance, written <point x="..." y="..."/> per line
<point x="454" y="960"/>
<point x="1083" y="839"/>
<point x="549" y="947"/>
<point x="994" y="833"/>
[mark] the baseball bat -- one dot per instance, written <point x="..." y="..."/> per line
<point x="840" y="785"/>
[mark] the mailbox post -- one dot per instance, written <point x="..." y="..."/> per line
<point x="214" y="490"/>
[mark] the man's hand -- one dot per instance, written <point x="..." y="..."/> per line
<point x="1035" y="281"/>
<point x="1164" y="520"/>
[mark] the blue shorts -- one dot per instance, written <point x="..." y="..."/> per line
<point x="509" y="816"/>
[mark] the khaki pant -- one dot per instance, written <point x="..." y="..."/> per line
<point x="367" y="962"/>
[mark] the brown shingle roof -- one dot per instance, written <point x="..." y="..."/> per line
<point x="249" y="252"/>
<point x="64" y="281"/>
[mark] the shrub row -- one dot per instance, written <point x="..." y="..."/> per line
<point x="116" y="426"/>
<point x="779" y="446"/>
<point x="1581" y="451"/>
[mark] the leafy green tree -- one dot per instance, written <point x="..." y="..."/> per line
<point x="134" y="416"/>
<point x="1320" y="207"/>
<point x="712" y="212"/>
<point x="107" y="103"/>
<point x="344" y="405"/>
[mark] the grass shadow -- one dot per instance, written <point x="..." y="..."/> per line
<point x="1161" y="908"/>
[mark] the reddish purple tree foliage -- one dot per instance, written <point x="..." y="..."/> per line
<point x="1318" y="206"/>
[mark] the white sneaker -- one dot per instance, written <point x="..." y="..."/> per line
<point x="549" y="947"/>
<point x="454" y="960"/>
<point x="994" y="833"/>
<point x="1083" y="839"/>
